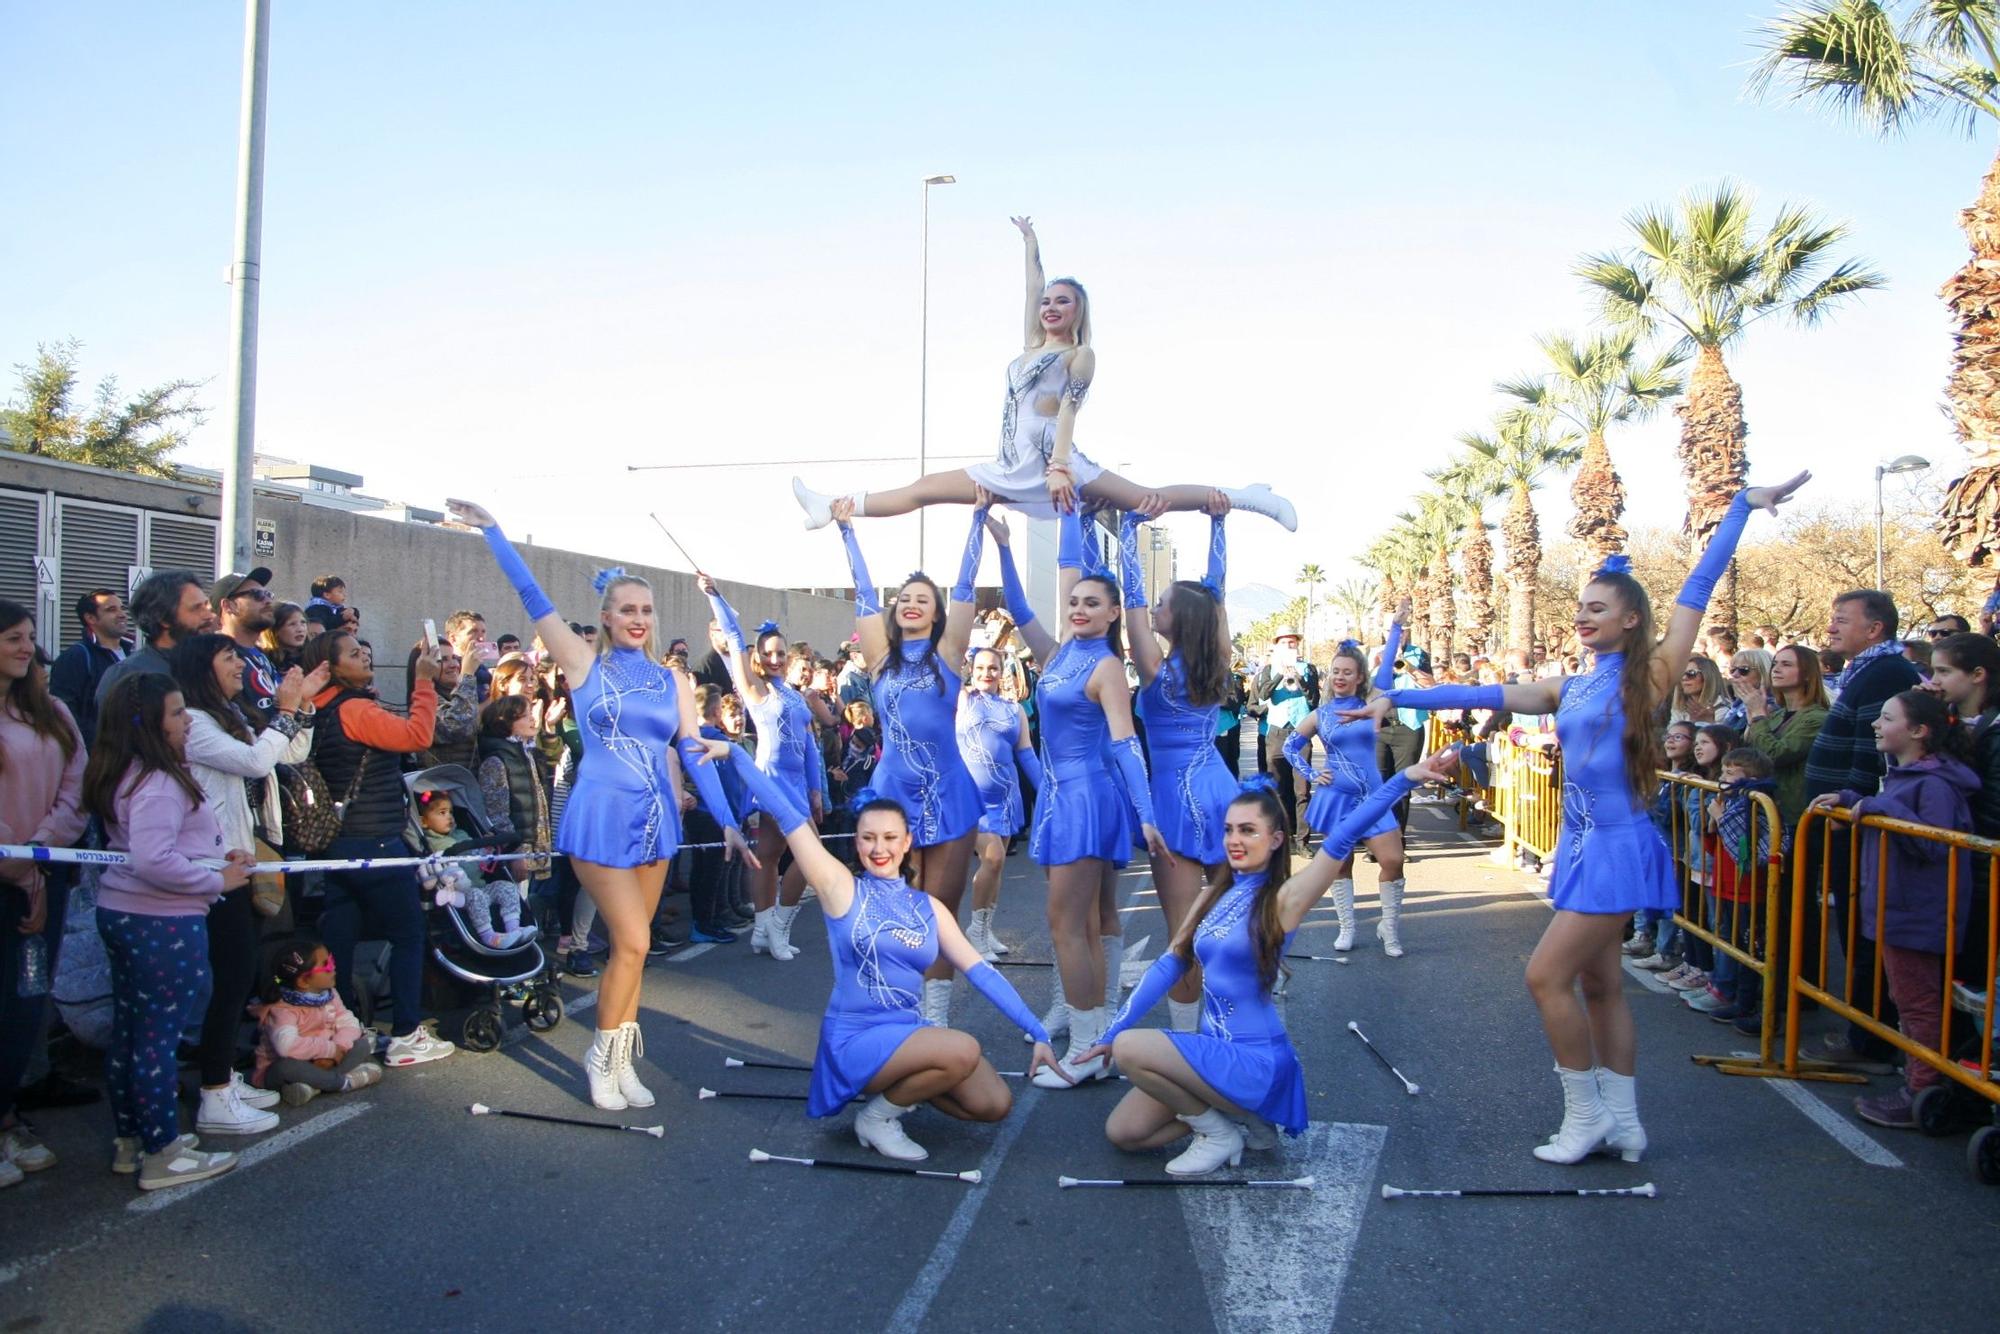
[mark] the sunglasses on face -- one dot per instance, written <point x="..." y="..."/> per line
<point x="1741" y="671"/>
<point x="1937" y="633"/>
<point x="255" y="594"/>
<point x="1690" y="675"/>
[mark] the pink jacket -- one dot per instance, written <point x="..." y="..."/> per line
<point x="304" y="1033"/>
<point x="41" y="796"/>
<point x="163" y="831"/>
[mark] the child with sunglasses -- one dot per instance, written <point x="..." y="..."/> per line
<point x="308" y="1041"/>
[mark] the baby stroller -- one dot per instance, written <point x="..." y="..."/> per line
<point x="470" y="974"/>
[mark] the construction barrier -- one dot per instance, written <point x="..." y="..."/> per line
<point x="1527" y="796"/>
<point x="1730" y="895"/>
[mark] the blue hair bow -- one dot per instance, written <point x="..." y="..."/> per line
<point x="1347" y="644"/>
<point x="1257" y="783"/>
<point x="769" y="627"/>
<point x="1208" y="587"/>
<point x="1618" y="564"/>
<point x="860" y="799"/>
<point x="606" y="577"/>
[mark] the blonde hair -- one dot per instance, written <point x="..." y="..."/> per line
<point x="1759" y="661"/>
<point x="1082" y="331"/>
<point x="652" y="649"/>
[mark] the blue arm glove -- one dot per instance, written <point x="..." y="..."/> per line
<point x="707" y="782"/>
<point x="533" y="599"/>
<point x="1131" y="762"/>
<point x="968" y="565"/>
<point x="1339" y="844"/>
<point x="1010" y="585"/>
<point x="1714" y="563"/>
<point x="770" y="797"/>
<point x="725" y="616"/>
<point x="1295" y="752"/>
<point x="1005" y="999"/>
<point x="1218" y="560"/>
<point x="867" y="598"/>
<point x="1031" y="765"/>
<point x="1168" y="969"/>
<point x="1130" y="574"/>
<point x="1385" y="671"/>
<point x="1069" y="542"/>
<point x="1449" y="697"/>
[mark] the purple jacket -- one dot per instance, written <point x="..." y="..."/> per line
<point x="1936" y="790"/>
<point x="162" y="831"/>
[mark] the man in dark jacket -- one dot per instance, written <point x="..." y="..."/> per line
<point x="169" y="605"/>
<point x="1843" y="757"/>
<point x="74" y="678"/>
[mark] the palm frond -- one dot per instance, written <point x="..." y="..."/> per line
<point x="1847" y="56"/>
<point x="1849" y="280"/>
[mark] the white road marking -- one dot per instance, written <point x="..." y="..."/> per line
<point x="583" y="1004"/>
<point x="1648" y="979"/>
<point x="691" y="952"/>
<point x="909" y="1314"/>
<point x="1833" y="1123"/>
<point x="1275" y="1261"/>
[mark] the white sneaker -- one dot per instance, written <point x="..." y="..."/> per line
<point x="10" y="1175"/>
<point x="1217" y="1142"/>
<point x="250" y="1095"/>
<point x="125" y="1153"/>
<point x="1639" y="945"/>
<point x="223" y="1113"/>
<point x="1652" y="963"/>
<point x="880" y="1127"/>
<point x="416" y="1047"/>
<point x="177" y="1166"/>
<point x="25" y="1150"/>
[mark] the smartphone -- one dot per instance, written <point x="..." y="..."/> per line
<point x="430" y="635"/>
<point x="488" y="651"/>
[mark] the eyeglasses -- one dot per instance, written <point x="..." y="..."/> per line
<point x="1936" y="632"/>
<point x="1691" y="674"/>
<point x="1741" y="671"/>
<point x="259" y="594"/>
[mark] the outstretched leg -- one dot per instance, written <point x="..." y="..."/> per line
<point x="938" y="488"/>
<point x="1111" y="489"/>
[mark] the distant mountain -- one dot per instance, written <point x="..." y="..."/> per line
<point x="1252" y="602"/>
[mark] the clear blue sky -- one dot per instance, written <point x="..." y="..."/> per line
<point x="510" y="248"/>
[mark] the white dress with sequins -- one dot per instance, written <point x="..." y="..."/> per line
<point x="1028" y="437"/>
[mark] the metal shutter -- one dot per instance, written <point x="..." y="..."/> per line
<point x="98" y="545"/>
<point x="182" y="544"/>
<point x="20" y="542"/>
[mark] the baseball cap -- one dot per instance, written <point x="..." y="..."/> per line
<point x="230" y="584"/>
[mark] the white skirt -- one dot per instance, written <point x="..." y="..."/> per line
<point x="1025" y="486"/>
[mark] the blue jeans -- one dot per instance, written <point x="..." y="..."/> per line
<point x="387" y="903"/>
<point x="159" y="984"/>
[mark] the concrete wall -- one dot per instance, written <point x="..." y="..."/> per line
<point x="400" y="573"/>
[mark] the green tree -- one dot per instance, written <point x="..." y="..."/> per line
<point x="1700" y="273"/>
<point x="1311" y="576"/>
<point x="139" y="435"/>
<point x="1594" y="384"/>
<point x="1462" y="492"/>
<point x="1884" y="67"/>
<point x="1355" y="598"/>
<point x="1522" y="450"/>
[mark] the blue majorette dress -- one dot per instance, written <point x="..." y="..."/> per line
<point x="1082" y="809"/>
<point x="1350" y="758"/>
<point x="624" y="809"/>
<point x="917" y="703"/>
<point x="880" y="950"/>
<point x="988" y="727"/>
<point x="1192" y="787"/>
<point x="1610" y="857"/>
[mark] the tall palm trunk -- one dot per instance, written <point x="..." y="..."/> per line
<point x="1970" y="514"/>
<point x="1524" y="559"/>
<point x="1443" y="613"/>
<point x="1713" y="459"/>
<point x="1476" y="563"/>
<point x="1420" y="605"/>
<point x="1600" y="498"/>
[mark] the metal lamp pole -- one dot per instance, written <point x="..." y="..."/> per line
<point x="239" y="486"/>
<point x="924" y="355"/>
<point x="1907" y="463"/>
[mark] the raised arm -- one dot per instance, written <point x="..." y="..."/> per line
<point x="826" y="873"/>
<point x="868" y="623"/>
<point x="1031" y="320"/>
<point x="1031" y="631"/>
<point x="1531" y="697"/>
<point x="748" y="684"/>
<point x="1685" y="623"/>
<point x="1217" y="577"/>
<point x="1298" y="894"/>
<point x="1385" y="671"/>
<point x="1071" y="555"/>
<point x="571" y="653"/>
<point x="963" y="609"/>
<point x="1138" y="618"/>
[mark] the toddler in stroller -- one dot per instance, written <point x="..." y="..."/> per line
<point x="478" y="893"/>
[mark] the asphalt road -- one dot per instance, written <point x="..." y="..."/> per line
<point x="396" y="1209"/>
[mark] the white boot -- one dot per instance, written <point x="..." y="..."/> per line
<point x="994" y="944"/>
<point x="937" y="1002"/>
<point x="1392" y="913"/>
<point x="1114" y="967"/>
<point x="1217" y="1141"/>
<point x="631" y="1046"/>
<point x="1258" y="499"/>
<point x="879" y="1127"/>
<point x="818" y="508"/>
<point x="781" y="933"/>
<point x="1184" y="1016"/>
<point x="1259" y="1134"/>
<point x="1621" y="1099"/>
<point x="979" y="933"/>
<point x="600" y="1063"/>
<point x="760" y="933"/>
<point x="1343" y="907"/>
<point x="1085" y="1028"/>
<point x="1057" y="1019"/>
<point x="1586" y="1123"/>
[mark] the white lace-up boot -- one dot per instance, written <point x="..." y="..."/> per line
<point x="994" y="944"/>
<point x="936" y="1007"/>
<point x="819" y="508"/>
<point x="1085" y="1028"/>
<point x="1343" y="908"/>
<point x="1621" y="1098"/>
<point x="880" y="1127"/>
<point x="1392" y="915"/>
<point x="600" y="1064"/>
<point x="1586" y="1123"/>
<point x="1057" y="1019"/>
<point x="1185" y="1016"/>
<point x="979" y="933"/>
<point x="631" y="1046"/>
<point x="1218" y="1142"/>
<point x="1260" y="499"/>
<point x="760" y="932"/>
<point x="781" y="933"/>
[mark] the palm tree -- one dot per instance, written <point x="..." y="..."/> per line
<point x="1943" y="60"/>
<point x="1355" y="598"/>
<point x="1701" y="273"/>
<point x="1514" y="459"/>
<point x="1399" y="557"/>
<point x="1465" y="492"/>
<point x="1312" y="576"/>
<point x="1595" y="384"/>
<point x="1437" y="523"/>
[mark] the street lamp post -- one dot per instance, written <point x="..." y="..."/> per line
<point x="246" y="276"/>
<point x="924" y="356"/>
<point x="1907" y="463"/>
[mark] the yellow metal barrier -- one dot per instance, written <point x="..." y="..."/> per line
<point x="1527" y="796"/>
<point x="1733" y="906"/>
<point x="1976" y="1076"/>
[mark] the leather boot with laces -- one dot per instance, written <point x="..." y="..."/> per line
<point x="631" y="1046"/>
<point x="1218" y="1142"/>
<point x="1343" y="907"/>
<point x="1586" y="1125"/>
<point x="880" y="1127"/>
<point x="1386" y="930"/>
<point x="600" y="1064"/>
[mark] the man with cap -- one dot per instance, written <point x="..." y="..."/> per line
<point x="167" y="606"/>
<point x="1288" y="688"/>
<point x="1399" y="741"/>
<point x="243" y="602"/>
